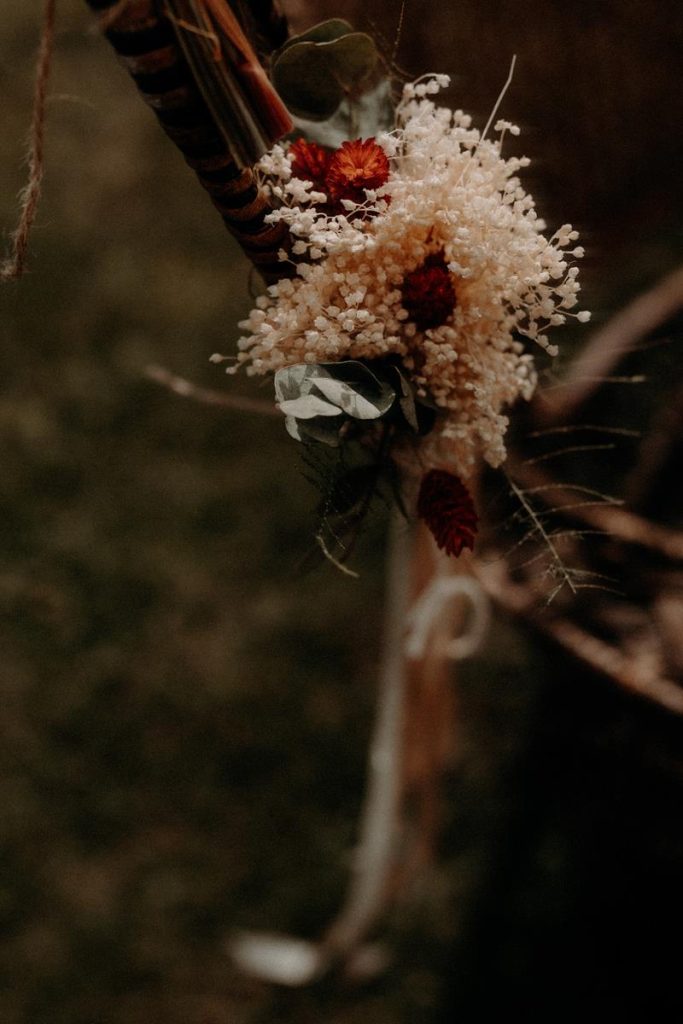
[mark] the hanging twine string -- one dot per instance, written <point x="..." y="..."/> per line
<point x="15" y="264"/>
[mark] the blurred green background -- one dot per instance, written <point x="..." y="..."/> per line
<point x="185" y="714"/>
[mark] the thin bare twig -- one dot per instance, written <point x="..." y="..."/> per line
<point x="573" y="449"/>
<point x="619" y="522"/>
<point x="207" y="396"/>
<point x="574" y="428"/>
<point x="399" y="30"/>
<point x="540" y="530"/>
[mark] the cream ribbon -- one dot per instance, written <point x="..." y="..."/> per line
<point x="426" y="611"/>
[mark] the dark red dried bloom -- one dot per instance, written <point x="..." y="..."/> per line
<point x="310" y="162"/>
<point x="428" y="293"/>
<point x="446" y="506"/>
<point x="354" y="167"/>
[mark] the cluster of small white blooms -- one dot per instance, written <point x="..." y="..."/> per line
<point x="316" y="233"/>
<point x="450" y="192"/>
<point x="291" y="192"/>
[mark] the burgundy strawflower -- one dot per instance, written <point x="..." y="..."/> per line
<point x="310" y="162"/>
<point x="446" y="506"/>
<point x="428" y="293"/>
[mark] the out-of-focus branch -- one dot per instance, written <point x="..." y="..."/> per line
<point x="656" y="449"/>
<point x="208" y="396"/>
<point x="607" y="347"/>
<point x="599" y="514"/>
<point x="633" y="664"/>
<point x="626" y="671"/>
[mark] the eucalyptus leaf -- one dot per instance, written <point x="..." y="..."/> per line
<point x="289" y="381"/>
<point x="406" y="400"/>
<point x="299" y="379"/>
<point x="364" y="116"/>
<point x="307" y="406"/>
<point x="322" y="429"/>
<point x="323" y="32"/>
<point x="305" y="81"/>
<point x="427" y="414"/>
<point x="363" y="382"/>
<point x="354" y="58"/>
<point x="318" y="398"/>
<point x="292" y="428"/>
<point x="314" y="77"/>
<point x="345" y="397"/>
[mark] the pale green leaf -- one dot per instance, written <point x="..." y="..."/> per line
<point x="308" y="406"/>
<point x="323" y="32"/>
<point x="351" y="401"/>
<point x="314" y="77"/>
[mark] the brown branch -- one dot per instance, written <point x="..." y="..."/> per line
<point x="656" y="449"/>
<point x="604" y="658"/>
<point x="607" y="347"/>
<point x="207" y="396"/>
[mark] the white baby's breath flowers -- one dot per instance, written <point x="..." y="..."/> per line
<point x="452" y="193"/>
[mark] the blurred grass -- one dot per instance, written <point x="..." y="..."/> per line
<point x="184" y="715"/>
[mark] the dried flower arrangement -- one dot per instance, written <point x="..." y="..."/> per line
<point x="409" y="283"/>
<point x="419" y="274"/>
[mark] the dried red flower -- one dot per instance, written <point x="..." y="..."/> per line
<point x="310" y="162"/>
<point x="428" y="293"/>
<point x="354" y="167"/>
<point x="446" y="506"/>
